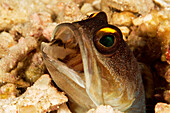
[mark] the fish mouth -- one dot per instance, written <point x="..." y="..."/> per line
<point x="68" y="52"/>
<point x="64" y="53"/>
<point x="71" y="54"/>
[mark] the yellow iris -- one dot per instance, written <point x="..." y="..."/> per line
<point x="108" y="30"/>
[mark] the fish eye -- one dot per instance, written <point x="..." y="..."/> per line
<point x="107" y="39"/>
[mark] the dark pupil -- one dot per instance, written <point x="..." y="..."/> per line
<point x="107" y="40"/>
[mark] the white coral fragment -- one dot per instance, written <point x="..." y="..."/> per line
<point x="162" y="108"/>
<point x="42" y="97"/>
<point x="104" y="109"/>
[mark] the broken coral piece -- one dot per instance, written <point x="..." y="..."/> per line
<point x="35" y="67"/>
<point x="122" y="18"/>
<point x="162" y="108"/>
<point x="163" y="3"/>
<point x="42" y="97"/>
<point x="167" y="96"/>
<point x="86" y="8"/>
<point x="17" y="11"/>
<point x="104" y="109"/>
<point x="38" y="22"/>
<point x="16" y="54"/>
<point x="6" y="41"/>
<point x="8" y="91"/>
<point x="7" y="77"/>
<point x="66" y="11"/>
<point x="139" y="6"/>
<point x="47" y="32"/>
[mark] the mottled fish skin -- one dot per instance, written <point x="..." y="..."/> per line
<point x="110" y="78"/>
